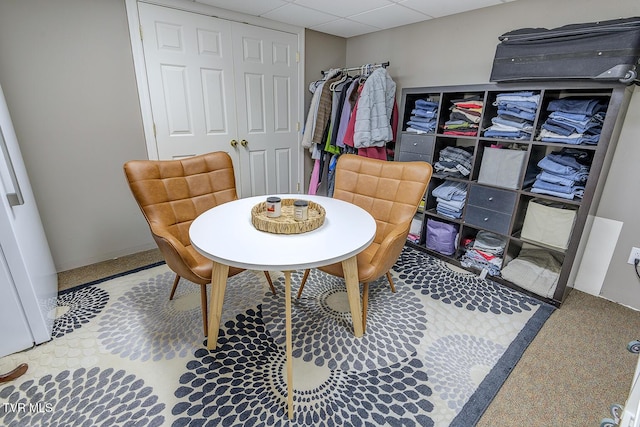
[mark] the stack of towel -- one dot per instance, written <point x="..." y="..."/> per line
<point x="454" y="161"/>
<point x="450" y="198"/>
<point x="574" y="121"/>
<point x="563" y="174"/>
<point x="465" y="117"/>
<point x="485" y="252"/>
<point x="516" y="113"/>
<point x="424" y="117"/>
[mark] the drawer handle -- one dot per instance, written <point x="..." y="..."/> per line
<point x="491" y="199"/>
<point x="486" y="219"/>
<point x="415" y="144"/>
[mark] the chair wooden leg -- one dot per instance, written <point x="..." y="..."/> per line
<point x="393" y="288"/>
<point x="175" y="286"/>
<point x="273" y="290"/>
<point x="305" y="276"/>
<point x="203" y="298"/>
<point x="365" y="305"/>
<point x="15" y="373"/>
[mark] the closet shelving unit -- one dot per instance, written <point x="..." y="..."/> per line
<point x="505" y="213"/>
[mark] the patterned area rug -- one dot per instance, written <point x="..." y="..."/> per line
<point x="435" y="353"/>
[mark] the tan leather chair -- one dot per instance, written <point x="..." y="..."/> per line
<point x="391" y="192"/>
<point x="171" y="194"/>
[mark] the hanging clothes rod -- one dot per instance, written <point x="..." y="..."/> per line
<point x="373" y="66"/>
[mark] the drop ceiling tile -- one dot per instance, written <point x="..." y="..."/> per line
<point x="438" y="8"/>
<point x="390" y="16"/>
<point x="299" y="15"/>
<point x="343" y="8"/>
<point x="345" y="28"/>
<point x="250" y="7"/>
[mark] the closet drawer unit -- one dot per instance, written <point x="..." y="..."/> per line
<point x="419" y="144"/>
<point x="492" y="198"/>
<point x="488" y="219"/>
<point x="406" y="156"/>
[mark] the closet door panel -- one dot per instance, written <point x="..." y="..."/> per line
<point x="189" y="65"/>
<point x="175" y="86"/>
<point x="265" y="63"/>
<point x="215" y="108"/>
<point x="255" y="113"/>
<point x="259" y="176"/>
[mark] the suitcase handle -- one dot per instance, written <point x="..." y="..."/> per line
<point x="567" y="32"/>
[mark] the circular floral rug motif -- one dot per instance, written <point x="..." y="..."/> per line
<point x="143" y="324"/>
<point x="457" y="364"/>
<point x="76" y="308"/>
<point x="243" y="382"/>
<point x="323" y="329"/>
<point x="434" y="278"/>
<point x="81" y="397"/>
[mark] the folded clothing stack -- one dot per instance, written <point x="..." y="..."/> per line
<point x="564" y="174"/>
<point x="574" y="121"/>
<point x="454" y="161"/>
<point x="484" y="252"/>
<point x="424" y="117"/>
<point x="450" y="198"/>
<point x="516" y="113"/>
<point x="465" y="117"/>
<point x="534" y="269"/>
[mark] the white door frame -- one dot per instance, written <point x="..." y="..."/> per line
<point x="191" y="6"/>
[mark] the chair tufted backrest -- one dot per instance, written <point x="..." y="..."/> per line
<point x="172" y="193"/>
<point x="390" y="191"/>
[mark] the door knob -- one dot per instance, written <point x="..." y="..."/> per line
<point x="244" y="142"/>
<point x="234" y="143"/>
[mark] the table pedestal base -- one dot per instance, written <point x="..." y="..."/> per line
<point x="219" y="276"/>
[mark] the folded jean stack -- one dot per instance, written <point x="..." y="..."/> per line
<point x="465" y="117"/>
<point x="484" y="252"/>
<point x="516" y="113"/>
<point x="573" y="121"/>
<point x="454" y="161"/>
<point x="563" y="173"/>
<point x="424" y="117"/>
<point x="450" y="198"/>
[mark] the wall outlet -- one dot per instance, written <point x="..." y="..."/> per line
<point x="635" y="254"/>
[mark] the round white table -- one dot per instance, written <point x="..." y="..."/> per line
<point x="226" y="235"/>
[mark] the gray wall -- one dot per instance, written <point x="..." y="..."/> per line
<point x="322" y="52"/>
<point x="459" y="49"/>
<point x="67" y="73"/>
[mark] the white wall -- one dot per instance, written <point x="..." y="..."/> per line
<point x="67" y="73"/>
<point x="459" y="49"/>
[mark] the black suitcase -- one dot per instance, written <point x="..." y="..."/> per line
<point x="607" y="50"/>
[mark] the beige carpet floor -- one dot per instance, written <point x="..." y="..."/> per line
<point x="576" y="367"/>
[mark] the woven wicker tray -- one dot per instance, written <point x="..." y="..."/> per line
<point x="285" y="223"/>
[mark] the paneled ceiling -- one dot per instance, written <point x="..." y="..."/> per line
<point x="348" y="18"/>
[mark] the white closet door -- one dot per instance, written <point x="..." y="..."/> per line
<point x="189" y="66"/>
<point x="266" y="74"/>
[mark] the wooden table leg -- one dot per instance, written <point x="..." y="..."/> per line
<point x="219" y="276"/>
<point x="289" y="346"/>
<point x="350" y="269"/>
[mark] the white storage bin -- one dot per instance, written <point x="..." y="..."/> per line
<point x="548" y="223"/>
<point x="501" y="167"/>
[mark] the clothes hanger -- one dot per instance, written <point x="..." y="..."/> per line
<point x="343" y="79"/>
